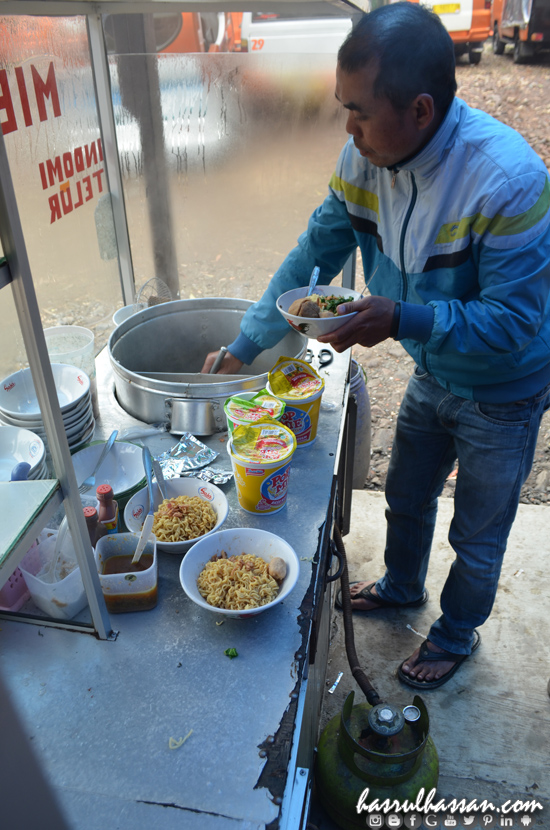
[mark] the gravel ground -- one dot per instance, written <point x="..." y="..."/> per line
<point x="518" y="96"/>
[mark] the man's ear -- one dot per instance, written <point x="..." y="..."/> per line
<point x="423" y="110"/>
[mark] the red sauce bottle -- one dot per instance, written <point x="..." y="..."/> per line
<point x="95" y="529"/>
<point x="108" y="508"/>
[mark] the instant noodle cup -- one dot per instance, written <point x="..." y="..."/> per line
<point x="300" y="387"/>
<point x="261" y="455"/>
<point x="251" y="407"/>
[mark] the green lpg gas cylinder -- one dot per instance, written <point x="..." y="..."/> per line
<point x="382" y="748"/>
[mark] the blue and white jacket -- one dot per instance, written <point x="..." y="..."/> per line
<point x="461" y="235"/>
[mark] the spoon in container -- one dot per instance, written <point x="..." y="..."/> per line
<point x="149" y="519"/>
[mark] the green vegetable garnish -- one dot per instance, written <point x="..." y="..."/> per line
<point x="231" y="652"/>
<point x="332" y="303"/>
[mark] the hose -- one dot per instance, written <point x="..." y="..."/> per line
<point x="359" y="675"/>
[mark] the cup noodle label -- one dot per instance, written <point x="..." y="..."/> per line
<point x="273" y="489"/>
<point x="299" y="422"/>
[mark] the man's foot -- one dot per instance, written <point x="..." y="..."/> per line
<point x="431" y="666"/>
<point x="426" y="670"/>
<point x="364" y="597"/>
<point x="361" y="593"/>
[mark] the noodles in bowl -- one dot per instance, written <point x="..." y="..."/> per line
<point x="231" y="571"/>
<point x="237" y="583"/>
<point x="182" y="518"/>
<point x="192" y="510"/>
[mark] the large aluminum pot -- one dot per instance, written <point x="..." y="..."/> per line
<point x="157" y="354"/>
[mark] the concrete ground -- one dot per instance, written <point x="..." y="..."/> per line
<point x="491" y="722"/>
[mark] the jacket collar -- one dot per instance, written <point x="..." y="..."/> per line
<point x="425" y="162"/>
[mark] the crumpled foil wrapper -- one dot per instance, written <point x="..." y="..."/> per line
<point x="215" y="475"/>
<point x="188" y="454"/>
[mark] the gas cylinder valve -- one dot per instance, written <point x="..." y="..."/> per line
<point x="386" y="720"/>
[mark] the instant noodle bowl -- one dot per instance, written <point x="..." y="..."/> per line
<point x="300" y="387"/>
<point x="251" y="407"/>
<point x="261" y="456"/>
<point x="234" y="542"/>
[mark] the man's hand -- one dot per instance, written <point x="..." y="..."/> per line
<point x="370" y="326"/>
<point x="230" y="364"/>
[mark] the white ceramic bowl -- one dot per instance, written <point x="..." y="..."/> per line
<point x="16" y="445"/>
<point x="18" y="397"/>
<point x="122" y="468"/>
<point x="234" y="541"/>
<point x="138" y="507"/>
<point x="315" y="326"/>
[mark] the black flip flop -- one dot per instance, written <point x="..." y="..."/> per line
<point x="381" y="603"/>
<point x="426" y="656"/>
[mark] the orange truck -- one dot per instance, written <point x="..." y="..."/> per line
<point x="524" y="24"/>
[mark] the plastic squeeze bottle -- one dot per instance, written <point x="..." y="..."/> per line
<point x="95" y="529"/>
<point x="108" y="508"/>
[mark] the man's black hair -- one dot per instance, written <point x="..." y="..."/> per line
<point x="413" y="50"/>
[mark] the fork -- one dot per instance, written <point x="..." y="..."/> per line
<point x="89" y="482"/>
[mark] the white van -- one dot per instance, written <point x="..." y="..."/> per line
<point x="291" y="32"/>
<point x="468" y="23"/>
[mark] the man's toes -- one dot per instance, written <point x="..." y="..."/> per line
<point x="410" y="667"/>
<point x="358" y="587"/>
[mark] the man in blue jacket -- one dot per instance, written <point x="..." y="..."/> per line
<point x="453" y="210"/>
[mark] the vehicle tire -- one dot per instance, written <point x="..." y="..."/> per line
<point x="520" y="54"/>
<point x="498" y="44"/>
<point x="474" y="57"/>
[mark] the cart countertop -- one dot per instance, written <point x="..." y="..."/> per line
<point x="101" y="713"/>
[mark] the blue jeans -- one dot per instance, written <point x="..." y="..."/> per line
<point x="494" y="445"/>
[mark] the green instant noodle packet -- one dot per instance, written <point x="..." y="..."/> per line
<point x="255" y="409"/>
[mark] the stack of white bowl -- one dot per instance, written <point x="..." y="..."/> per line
<point x="19" y="404"/>
<point x="21" y="445"/>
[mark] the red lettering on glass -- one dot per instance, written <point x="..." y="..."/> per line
<point x="54" y="170"/>
<point x="97" y="175"/>
<point x="79" y="160"/>
<point x="6" y="103"/>
<point x="46" y="89"/>
<point x="87" y="181"/>
<point x="23" y="95"/>
<point x="68" y="166"/>
<point x="80" y="199"/>
<point x="67" y="203"/>
<point x="55" y="208"/>
<point x="91" y="154"/>
<point x="43" y="175"/>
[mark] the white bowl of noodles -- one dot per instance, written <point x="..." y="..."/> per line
<point x="314" y="327"/>
<point x="236" y="542"/>
<point x="205" y="514"/>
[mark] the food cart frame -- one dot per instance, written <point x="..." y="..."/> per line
<point x="284" y="756"/>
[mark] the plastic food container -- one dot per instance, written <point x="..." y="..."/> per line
<point x="128" y="589"/>
<point x="15" y="593"/>
<point x="300" y="387"/>
<point x="64" y="598"/>
<point x="261" y="455"/>
<point x="74" y="345"/>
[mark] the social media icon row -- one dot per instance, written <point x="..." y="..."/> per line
<point x="417" y="821"/>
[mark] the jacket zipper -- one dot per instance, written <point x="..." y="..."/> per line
<point x="402" y="240"/>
